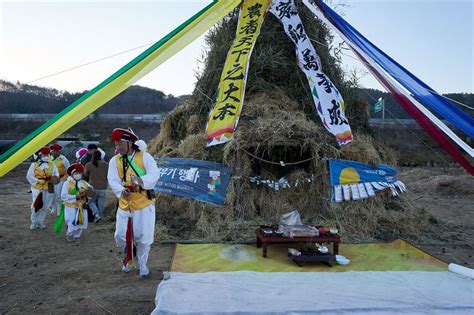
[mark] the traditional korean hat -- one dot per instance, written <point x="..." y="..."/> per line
<point x="123" y="134"/>
<point x="56" y="147"/>
<point x="75" y="168"/>
<point x="44" y="151"/>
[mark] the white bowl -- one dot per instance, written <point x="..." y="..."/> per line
<point x="341" y="260"/>
<point x="323" y="249"/>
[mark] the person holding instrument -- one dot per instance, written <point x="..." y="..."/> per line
<point x="132" y="175"/>
<point x="62" y="164"/>
<point x="74" y="194"/>
<point x="42" y="176"/>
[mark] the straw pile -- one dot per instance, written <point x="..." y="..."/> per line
<point x="278" y="123"/>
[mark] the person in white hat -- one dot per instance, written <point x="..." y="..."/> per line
<point x="132" y="175"/>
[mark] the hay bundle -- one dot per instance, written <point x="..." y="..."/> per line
<point x="278" y="123"/>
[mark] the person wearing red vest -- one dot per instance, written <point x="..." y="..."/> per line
<point x="42" y="176"/>
<point x="132" y="175"/>
<point x="62" y="164"/>
<point x="74" y="195"/>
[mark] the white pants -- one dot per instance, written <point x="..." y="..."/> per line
<point x="57" y="197"/>
<point x="143" y="230"/>
<point x="70" y="216"/>
<point x="38" y="218"/>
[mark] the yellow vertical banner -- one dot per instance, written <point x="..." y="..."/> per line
<point x="224" y="118"/>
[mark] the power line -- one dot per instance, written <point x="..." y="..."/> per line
<point x="88" y="63"/>
<point x="406" y="127"/>
<point x="311" y="39"/>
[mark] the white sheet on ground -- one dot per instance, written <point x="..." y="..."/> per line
<point x="372" y="292"/>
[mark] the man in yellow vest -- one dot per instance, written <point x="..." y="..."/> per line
<point x="42" y="175"/>
<point x="62" y="164"/>
<point x="132" y="175"/>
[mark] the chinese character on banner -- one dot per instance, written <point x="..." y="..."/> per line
<point x="327" y="99"/>
<point x="224" y="116"/>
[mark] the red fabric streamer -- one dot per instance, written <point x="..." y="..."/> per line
<point x="420" y="118"/>
<point x="411" y="109"/>
<point x="38" y="204"/>
<point x="129" y="243"/>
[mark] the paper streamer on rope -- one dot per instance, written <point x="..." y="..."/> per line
<point x="118" y="82"/>
<point x="282" y="183"/>
<point x="327" y="99"/>
<point x="224" y="117"/>
<point x="352" y="180"/>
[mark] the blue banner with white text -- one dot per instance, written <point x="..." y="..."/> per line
<point x="199" y="180"/>
<point x="351" y="180"/>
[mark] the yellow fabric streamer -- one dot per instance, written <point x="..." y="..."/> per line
<point x="125" y="77"/>
<point x="224" y="117"/>
<point x="80" y="216"/>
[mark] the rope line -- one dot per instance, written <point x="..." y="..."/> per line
<point x="281" y="163"/>
<point x="339" y="49"/>
<point x="89" y="63"/>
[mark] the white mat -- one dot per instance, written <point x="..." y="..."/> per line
<point x="247" y="292"/>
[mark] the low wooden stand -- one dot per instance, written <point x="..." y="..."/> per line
<point x="264" y="240"/>
<point x="311" y="255"/>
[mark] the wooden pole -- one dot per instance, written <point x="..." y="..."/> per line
<point x="237" y="177"/>
<point x="324" y="209"/>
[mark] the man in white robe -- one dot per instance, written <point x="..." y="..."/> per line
<point x="132" y="175"/>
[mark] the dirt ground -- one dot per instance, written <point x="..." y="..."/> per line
<point x="41" y="272"/>
<point x="448" y="194"/>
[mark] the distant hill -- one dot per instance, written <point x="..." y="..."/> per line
<point x="394" y="109"/>
<point x="24" y="98"/>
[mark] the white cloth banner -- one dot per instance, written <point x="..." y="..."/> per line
<point x="327" y="99"/>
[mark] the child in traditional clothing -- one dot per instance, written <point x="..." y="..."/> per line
<point x="42" y="175"/>
<point x="74" y="195"/>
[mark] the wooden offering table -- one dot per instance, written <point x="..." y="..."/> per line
<point x="263" y="240"/>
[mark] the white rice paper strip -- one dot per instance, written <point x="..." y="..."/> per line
<point x="362" y="191"/>
<point x="378" y="186"/>
<point x="355" y="192"/>
<point x="347" y="192"/>
<point x="338" y="193"/>
<point x="370" y="189"/>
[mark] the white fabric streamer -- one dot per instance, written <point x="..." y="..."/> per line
<point x="395" y="84"/>
<point x="327" y="99"/>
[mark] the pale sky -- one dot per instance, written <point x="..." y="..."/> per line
<point x="432" y="39"/>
